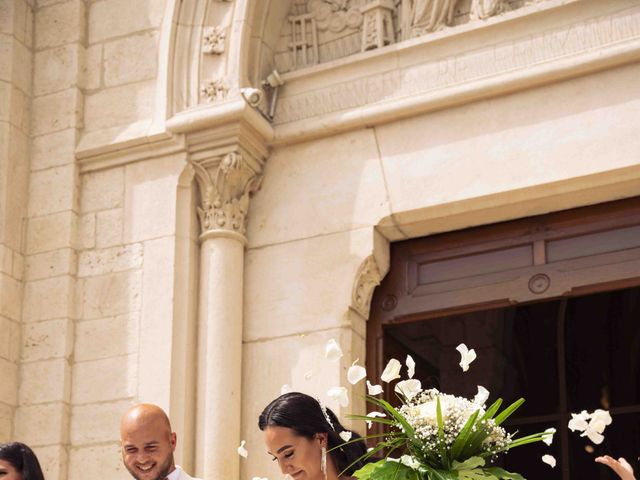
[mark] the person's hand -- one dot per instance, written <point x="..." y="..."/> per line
<point x="620" y="466"/>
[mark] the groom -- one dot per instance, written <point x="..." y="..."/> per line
<point x="148" y="444"/>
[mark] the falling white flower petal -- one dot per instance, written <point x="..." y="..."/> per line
<point x="286" y="388"/>
<point x="345" y="435"/>
<point x="467" y="355"/>
<point x="593" y="435"/>
<point x="373" y="415"/>
<point x="481" y="397"/>
<point x="599" y="420"/>
<point x="411" y="366"/>
<point x="339" y="394"/>
<point x="259" y="478"/>
<point x="243" y="451"/>
<point x="408" y="388"/>
<point x="308" y="375"/>
<point x="332" y="351"/>
<point x="549" y="460"/>
<point x="391" y="371"/>
<point x="548" y="438"/>
<point x="373" y="389"/>
<point x="356" y="373"/>
<point x="579" y="421"/>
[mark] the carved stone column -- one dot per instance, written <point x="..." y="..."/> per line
<point x="225" y="184"/>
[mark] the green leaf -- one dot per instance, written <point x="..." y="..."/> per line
<point x="475" y="474"/>
<point x="506" y="413"/>
<point x="408" y="429"/>
<point x="463" y="436"/>
<point x="503" y="474"/>
<point x="469" y="463"/>
<point x="386" y="470"/>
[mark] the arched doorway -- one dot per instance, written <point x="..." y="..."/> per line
<point x="551" y="304"/>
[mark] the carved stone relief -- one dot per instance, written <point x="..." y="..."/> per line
<point x="367" y="279"/>
<point x="224" y="193"/>
<point x="213" y="40"/>
<point x="215" y="90"/>
<point x="319" y="31"/>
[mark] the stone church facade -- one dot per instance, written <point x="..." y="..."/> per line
<point x="196" y="195"/>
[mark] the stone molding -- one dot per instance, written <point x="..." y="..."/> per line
<point x="367" y="279"/>
<point x="225" y="188"/>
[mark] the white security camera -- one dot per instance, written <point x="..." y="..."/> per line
<point x="253" y="96"/>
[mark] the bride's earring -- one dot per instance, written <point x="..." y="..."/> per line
<point x="323" y="462"/>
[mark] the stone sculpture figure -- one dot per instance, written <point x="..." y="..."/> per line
<point x="483" y="9"/>
<point x="423" y="16"/>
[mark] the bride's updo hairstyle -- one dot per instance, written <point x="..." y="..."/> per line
<point x="23" y="460"/>
<point x="306" y="417"/>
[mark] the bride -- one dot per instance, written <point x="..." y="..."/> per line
<point x="301" y="435"/>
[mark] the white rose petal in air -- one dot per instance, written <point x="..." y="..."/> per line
<point x="408" y="388"/>
<point x="391" y="371"/>
<point x="579" y="421"/>
<point x="411" y="366"/>
<point x="259" y="478"/>
<point x="549" y="460"/>
<point x="332" y="351"/>
<point x="356" y="373"/>
<point x="373" y="415"/>
<point x="345" y="435"/>
<point x="599" y="420"/>
<point x="308" y="375"/>
<point x="593" y="435"/>
<point x="243" y="451"/>
<point x="467" y="355"/>
<point x="374" y="389"/>
<point x="340" y="395"/>
<point x="548" y="438"/>
<point x="286" y="388"/>
<point x="481" y="397"/>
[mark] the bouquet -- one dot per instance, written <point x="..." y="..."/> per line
<point x="441" y="436"/>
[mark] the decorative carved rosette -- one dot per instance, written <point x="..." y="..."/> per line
<point x="225" y="189"/>
<point x="367" y="279"/>
<point x="213" y="40"/>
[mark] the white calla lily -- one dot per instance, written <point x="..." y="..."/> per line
<point x="391" y="371"/>
<point x="243" y="451"/>
<point x="549" y="460"/>
<point x="356" y="373"/>
<point x="340" y="395"/>
<point x="374" y="389"/>
<point x="409" y="461"/>
<point x="411" y="366"/>
<point x="481" y="397"/>
<point x="467" y="355"/>
<point x="548" y="438"/>
<point x="345" y="435"/>
<point x="408" y="388"/>
<point x="332" y="351"/>
<point x="374" y="415"/>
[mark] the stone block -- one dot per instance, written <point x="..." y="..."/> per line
<point x="110" y="260"/>
<point x="7" y="10"/>
<point x="51" y="232"/>
<point x="123" y="62"/>
<point x="6" y="260"/>
<point x="22" y="67"/>
<point x="150" y="198"/>
<point x="23" y="16"/>
<point x="47" y="340"/>
<point x="54" y="460"/>
<point x="106" y="19"/>
<point x="103" y="380"/>
<point x="60" y="23"/>
<point x="45" y="424"/>
<point x="10" y="297"/>
<point x="9" y="376"/>
<point x="56" y="111"/>
<point x="6" y="58"/>
<point x="346" y="190"/>
<point x="120" y="105"/>
<point x="97" y="423"/>
<point x="122" y="332"/>
<point x="102" y="190"/>
<point x="320" y="272"/>
<point x="97" y="461"/>
<point x="18" y="266"/>
<point x="6" y="415"/>
<point x="56" y="69"/>
<point x="53" y="149"/>
<point x="45" y="381"/>
<point x="109" y="228"/>
<point x="9" y="339"/>
<point x="53" y="190"/>
<point x="91" y="72"/>
<point x="49" y="299"/>
<point x="87" y="231"/>
<point x="5" y="95"/>
<point x="51" y="264"/>
<point x="111" y="295"/>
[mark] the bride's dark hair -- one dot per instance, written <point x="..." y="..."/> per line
<point x="23" y="460"/>
<point x="304" y="415"/>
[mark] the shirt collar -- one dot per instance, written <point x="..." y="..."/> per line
<point x="175" y="475"/>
